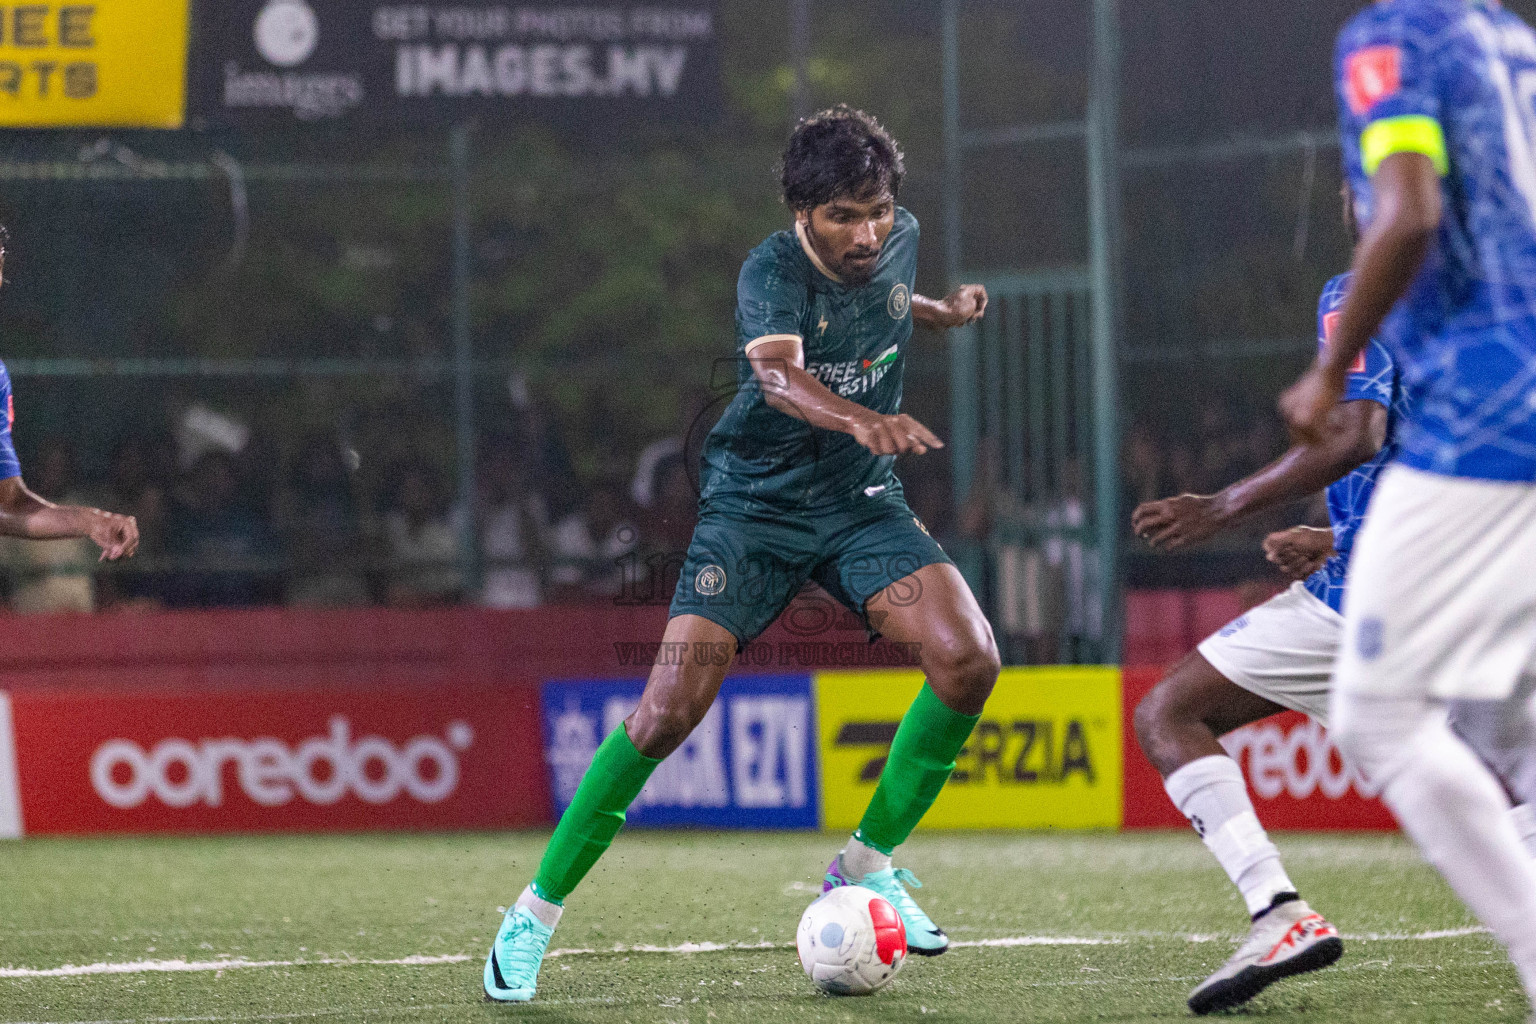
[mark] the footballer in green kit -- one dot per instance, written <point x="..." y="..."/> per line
<point x="798" y="486"/>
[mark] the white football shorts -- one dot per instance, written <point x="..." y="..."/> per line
<point x="1442" y="590"/>
<point x="1283" y="650"/>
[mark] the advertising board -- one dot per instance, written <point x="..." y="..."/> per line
<point x="751" y="763"/>
<point x="1296" y="777"/>
<point x="255" y="757"/>
<point x="104" y="64"/>
<point x="275" y="61"/>
<point x="1046" y="753"/>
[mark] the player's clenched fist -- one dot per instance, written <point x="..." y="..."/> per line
<point x="1299" y="551"/>
<point x="1307" y="403"/>
<point x="894" y="435"/>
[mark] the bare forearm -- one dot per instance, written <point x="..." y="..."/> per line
<point x="24" y="514"/>
<point x="787" y="387"/>
<point x="1304" y="469"/>
<point x="929" y="313"/>
<point x="794" y="392"/>
<point x="33" y="518"/>
<point x="965" y="305"/>
<point x="1356" y="431"/>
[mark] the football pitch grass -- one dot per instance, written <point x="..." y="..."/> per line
<point x="1049" y="927"/>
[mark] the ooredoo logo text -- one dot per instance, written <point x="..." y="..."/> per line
<point x="1297" y="762"/>
<point x="319" y="770"/>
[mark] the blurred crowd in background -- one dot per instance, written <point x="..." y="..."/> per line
<point x="236" y="517"/>
<point x="1222" y="442"/>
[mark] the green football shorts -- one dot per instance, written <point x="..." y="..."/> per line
<point x="743" y="570"/>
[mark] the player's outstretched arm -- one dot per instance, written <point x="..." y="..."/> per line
<point x="1356" y="431"/>
<point x="1406" y="191"/>
<point x="964" y="305"/>
<point x="787" y="387"/>
<point x="1299" y="551"/>
<point x="24" y="514"/>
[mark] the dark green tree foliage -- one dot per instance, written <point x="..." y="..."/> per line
<point x="605" y="261"/>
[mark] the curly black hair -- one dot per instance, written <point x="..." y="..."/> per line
<point x="840" y="153"/>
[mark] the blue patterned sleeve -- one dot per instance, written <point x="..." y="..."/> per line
<point x="1383" y="71"/>
<point x="1370" y="378"/>
<point x="10" y="465"/>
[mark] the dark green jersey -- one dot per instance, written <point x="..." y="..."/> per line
<point x="853" y="339"/>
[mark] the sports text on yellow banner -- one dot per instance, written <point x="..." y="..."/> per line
<point x="1046" y="753"/>
<point x="113" y="63"/>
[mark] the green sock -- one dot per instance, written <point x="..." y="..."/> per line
<point x="616" y="776"/>
<point x="921" y="758"/>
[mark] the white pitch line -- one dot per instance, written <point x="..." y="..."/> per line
<point x="341" y="1011"/>
<point x="1446" y="933"/>
<point x="232" y="964"/>
<point x="421" y="960"/>
<point x="400" y="1011"/>
<point x="1036" y="940"/>
<point x="686" y="947"/>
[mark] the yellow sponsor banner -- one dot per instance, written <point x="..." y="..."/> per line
<point x="100" y="64"/>
<point x="1046" y="753"/>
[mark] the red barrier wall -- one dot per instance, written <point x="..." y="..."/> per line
<point x="1296" y="778"/>
<point x="1161" y="626"/>
<point x="280" y="720"/>
<point x="277" y="720"/>
<point x="257" y="757"/>
<point x="195" y="648"/>
<point x="466" y="678"/>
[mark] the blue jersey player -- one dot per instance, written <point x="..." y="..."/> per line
<point x="797" y="486"/>
<point x="1439" y="141"/>
<point x="1277" y="656"/>
<point x="24" y="514"/>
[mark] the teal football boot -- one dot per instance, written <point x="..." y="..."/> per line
<point x="924" y="938"/>
<point x="512" y="969"/>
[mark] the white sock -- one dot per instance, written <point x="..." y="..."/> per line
<point x="1210" y="792"/>
<point x="859" y="860"/>
<point x="1452" y="806"/>
<point x="1523" y="817"/>
<point x="545" y="911"/>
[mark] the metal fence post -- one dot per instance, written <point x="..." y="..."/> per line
<point x="464" y="363"/>
<point x="1104" y="215"/>
<point x="800" y="54"/>
<point x="962" y="341"/>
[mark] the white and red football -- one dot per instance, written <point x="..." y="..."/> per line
<point x="851" y="941"/>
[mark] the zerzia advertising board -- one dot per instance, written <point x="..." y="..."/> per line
<point x="806" y="751"/>
<point x="342" y="61"/>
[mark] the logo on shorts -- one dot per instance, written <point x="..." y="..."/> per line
<point x="1233" y="627"/>
<point x="900" y="302"/>
<point x="710" y="581"/>
<point x="1371" y="638"/>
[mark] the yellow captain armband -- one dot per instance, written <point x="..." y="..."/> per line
<point x="1407" y="134"/>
